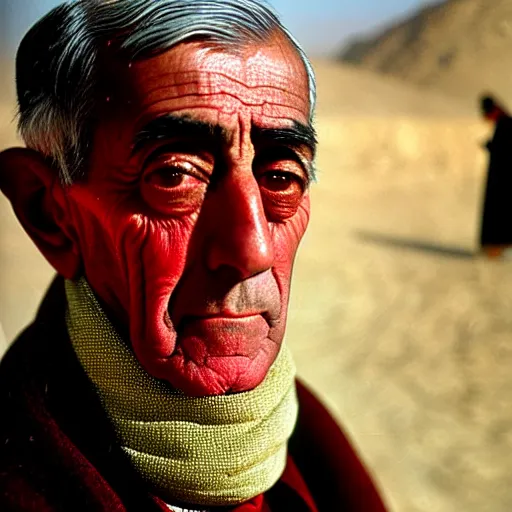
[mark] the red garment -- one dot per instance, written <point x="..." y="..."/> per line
<point x="58" y="451"/>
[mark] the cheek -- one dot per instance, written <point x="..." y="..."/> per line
<point x="130" y="259"/>
<point x="155" y="250"/>
<point x="156" y="253"/>
<point x="287" y="237"/>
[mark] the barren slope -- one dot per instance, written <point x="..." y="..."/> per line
<point x="347" y="91"/>
<point x="460" y="47"/>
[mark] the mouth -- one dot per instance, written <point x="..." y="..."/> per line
<point x="226" y="317"/>
<point x="176" y="322"/>
<point x="222" y="335"/>
<point x="221" y="314"/>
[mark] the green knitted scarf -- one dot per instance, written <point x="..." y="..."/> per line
<point x="216" y="450"/>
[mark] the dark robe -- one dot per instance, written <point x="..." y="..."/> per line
<point x="58" y="451"/>
<point x="497" y="210"/>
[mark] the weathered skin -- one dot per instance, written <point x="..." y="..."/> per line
<point x="189" y="243"/>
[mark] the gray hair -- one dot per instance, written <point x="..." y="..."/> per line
<point x="57" y="65"/>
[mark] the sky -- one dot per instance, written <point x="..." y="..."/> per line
<point x="321" y="26"/>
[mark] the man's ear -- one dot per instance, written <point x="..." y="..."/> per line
<point x="39" y="202"/>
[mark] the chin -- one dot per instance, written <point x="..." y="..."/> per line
<point x="200" y="367"/>
<point x="219" y="376"/>
<point x="204" y="354"/>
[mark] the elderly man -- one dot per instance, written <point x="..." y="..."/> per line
<point x="169" y="155"/>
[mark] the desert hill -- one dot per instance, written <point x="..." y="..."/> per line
<point x="459" y="47"/>
<point x="347" y="91"/>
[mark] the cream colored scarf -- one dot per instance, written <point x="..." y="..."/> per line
<point x="218" y="450"/>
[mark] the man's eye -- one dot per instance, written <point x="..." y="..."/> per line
<point x="281" y="181"/>
<point x="174" y="186"/>
<point x="278" y="181"/>
<point x="282" y="193"/>
<point x="166" y="177"/>
<point x="172" y="174"/>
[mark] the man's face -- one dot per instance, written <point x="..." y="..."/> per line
<point x="194" y="206"/>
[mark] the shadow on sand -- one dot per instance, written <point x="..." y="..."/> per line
<point x="415" y="245"/>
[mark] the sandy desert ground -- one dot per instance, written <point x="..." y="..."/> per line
<point x="395" y="320"/>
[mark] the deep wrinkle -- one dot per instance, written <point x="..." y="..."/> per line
<point x="213" y="83"/>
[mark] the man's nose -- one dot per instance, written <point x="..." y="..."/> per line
<point x="239" y="235"/>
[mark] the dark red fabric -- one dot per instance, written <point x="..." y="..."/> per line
<point x="58" y="451"/>
<point x="328" y="463"/>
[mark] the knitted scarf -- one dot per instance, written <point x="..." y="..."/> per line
<point x="215" y="450"/>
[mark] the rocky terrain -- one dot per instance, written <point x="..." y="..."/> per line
<point x="459" y="47"/>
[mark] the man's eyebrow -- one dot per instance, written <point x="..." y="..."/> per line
<point x="295" y="136"/>
<point x="172" y="127"/>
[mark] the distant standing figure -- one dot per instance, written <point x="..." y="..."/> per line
<point x="496" y="230"/>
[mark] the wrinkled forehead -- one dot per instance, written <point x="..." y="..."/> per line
<point x="268" y="77"/>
